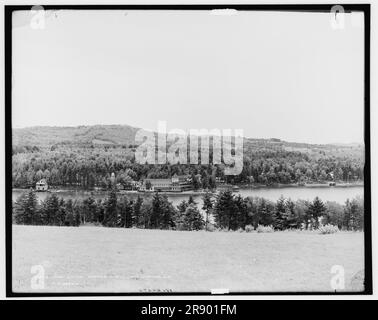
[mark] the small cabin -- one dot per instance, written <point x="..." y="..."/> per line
<point x="41" y="185"/>
<point x="235" y="189"/>
<point x="120" y="186"/>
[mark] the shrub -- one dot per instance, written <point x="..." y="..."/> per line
<point x="240" y="230"/>
<point x="92" y="224"/>
<point x="264" y="229"/>
<point x="249" y="228"/>
<point x="180" y="226"/>
<point x="211" y="227"/>
<point x="328" y="229"/>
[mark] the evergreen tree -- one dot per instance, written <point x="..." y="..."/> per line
<point x="125" y="213"/>
<point x="110" y="210"/>
<point x="265" y="212"/>
<point x="51" y="210"/>
<point x="162" y="213"/>
<point x="89" y="210"/>
<point x="252" y="213"/>
<point x="25" y="209"/>
<point x="146" y="214"/>
<point x="193" y="219"/>
<point x="157" y="211"/>
<point x="182" y="206"/>
<point x="354" y="214"/>
<point x="205" y="180"/>
<point x="137" y="212"/>
<point x="279" y="214"/>
<point x="224" y="209"/>
<point x="69" y="209"/>
<point x="212" y="182"/>
<point x="334" y="214"/>
<point x="301" y="212"/>
<point x="290" y="218"/>
<point x="315" y="210"/>
<point x="191" y="200"/>
<point x="18" y="209"/>
<point x="358" y="223"/>
<point x="168" y="214"/>
<point x="99" y="212"/>
<point x="77" y="215"/>
<point x="61" y="214"/>
<point x="180" y="214"/>
<point x="31" y="211"/>
<point x="241" y="212"/>
<point x="207" y="206"/>
<point x="195" y="182"/>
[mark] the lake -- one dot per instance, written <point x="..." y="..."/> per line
<point x="338" y="194"/>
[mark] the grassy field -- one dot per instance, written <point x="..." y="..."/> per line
<point x="96" y="259"/>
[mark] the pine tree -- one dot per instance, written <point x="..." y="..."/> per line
<point x="77" y="218"/>
<point x="111" y="210"/>
<point x="354" y="214"/>
<point x="193" y="219"/>
<point x="212" y="182"/>
<point x="252" y="213"/>
<point x="195" y="182"/>
<point x="125" y="213"/>
<point x="224" y="209"/>
<point x="88" y="210"/>
<point x="25" y="209"/>
<point x="279" y="214"/>
<point x="207" y="206"/>
<point x="18" y="209"/>
<point x="99" y="212"/>
<point x="180" y="214"/>
<point x="182" y="206"/>
<point x="205" y="180"/>
<point x="315" y="210"/>
<point x="32" y="214"/>
<point x="191" y="200"/>
<point x="265" y="211"/>
<point x="61" y="215"/>
<point x="168" y="214"/>
<point x="290" y="218"/>
<point x="146" y="211"/>
<point x="137" y="212"/>
<point x="50" y="210"/>
<point x="241" y="213"/>
<point x="69" y="218"/>
<point x="157" y="211"/>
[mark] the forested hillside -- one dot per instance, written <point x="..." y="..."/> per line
<point x="86" y="156"/>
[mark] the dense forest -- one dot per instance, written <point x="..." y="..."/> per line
<point x="87" y="156"/>
<point x="230" y="212"/>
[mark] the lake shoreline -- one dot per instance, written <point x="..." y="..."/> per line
<point x="201" y="192"/>
<point x="339" y="194"/>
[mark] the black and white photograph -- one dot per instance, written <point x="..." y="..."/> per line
<point x="162" y="150"/>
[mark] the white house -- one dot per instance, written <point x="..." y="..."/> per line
<point x="41" y="185"/>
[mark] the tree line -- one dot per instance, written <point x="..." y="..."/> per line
<point x="92" y="166"/>
<point x="224" y="210"/>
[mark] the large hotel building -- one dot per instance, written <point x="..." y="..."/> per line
<point x="174" y="184"/>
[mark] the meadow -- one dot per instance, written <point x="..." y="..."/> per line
<point x="100" y="259"/>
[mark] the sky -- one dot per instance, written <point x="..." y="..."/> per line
<point x="272" y="74"/>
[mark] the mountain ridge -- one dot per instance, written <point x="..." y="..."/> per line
<point x="117" y="134"/>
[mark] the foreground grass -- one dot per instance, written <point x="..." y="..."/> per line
<point x="97" y="259"/>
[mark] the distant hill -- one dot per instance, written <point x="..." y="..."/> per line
<point x="119" y="135"/>
<point x="98" y="134"/>
<point x="85" y="156"/>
